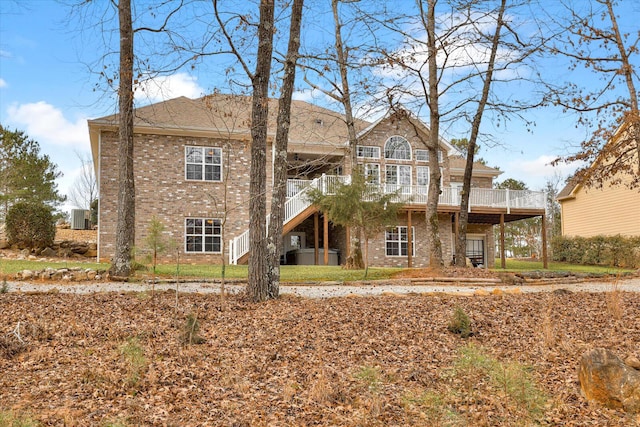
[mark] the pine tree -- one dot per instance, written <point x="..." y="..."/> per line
<point x="26" y="175"/>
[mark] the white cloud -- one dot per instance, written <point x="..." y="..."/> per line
<point x="3" y="83"/>
<point x="167" y="87"/>
<point x="536" y="172"/>
<point x="46" y="123"/>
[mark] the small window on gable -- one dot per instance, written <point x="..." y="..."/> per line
<point x="368" y="152"/>
<point x="397" y="148"/>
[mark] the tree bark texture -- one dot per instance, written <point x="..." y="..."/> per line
<point x="461" y="242"/>
<point x="257" y="286"/>
<point x="125" y="227"/>
<point x="355" y="259"/>
<point x="435" y="245"/>
<point x="278" y="197"/>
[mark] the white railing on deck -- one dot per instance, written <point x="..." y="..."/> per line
<point x="297" y="189"/>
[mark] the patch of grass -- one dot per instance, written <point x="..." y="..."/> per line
<point x="12" y="419"/>
<point x="289" y="273"/>
<point x="12" y="266"/>
<point x="509" y="379"/>
<point x="432" y="409"/>
<point x="5" y="286"/>
<point x="371" y="377"/>
<point x="516" y="265"/>
<point x="460" y="323"/>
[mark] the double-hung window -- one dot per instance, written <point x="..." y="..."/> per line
<point x="203" y="163"/>
<point x="396" y="241"/>
<point x="203" y="235"/>
<point x="422" y="179"/>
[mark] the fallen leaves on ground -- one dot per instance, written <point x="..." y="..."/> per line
<point x="121" y="359"/>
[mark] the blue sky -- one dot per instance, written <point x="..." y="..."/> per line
<point x="47" y="91"/>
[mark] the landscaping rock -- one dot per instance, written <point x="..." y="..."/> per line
<point x="48" y="252"/>
<point x="632" y="361"/>
<point x="606" y="379"/>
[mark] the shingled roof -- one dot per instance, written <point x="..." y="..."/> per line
<point x="231" y="115"/>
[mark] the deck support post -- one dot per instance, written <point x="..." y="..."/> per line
<point x="409" y="241"/>
<point x="545" y="261"/>
<point x="456" y="220"/>
<point x="503" y="260"/>
<point x="316" y="238"/>
<point x="326" y="239"/>
<point x="348" y="238"/>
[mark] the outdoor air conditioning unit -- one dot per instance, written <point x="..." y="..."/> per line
<point x="80" y="219"/>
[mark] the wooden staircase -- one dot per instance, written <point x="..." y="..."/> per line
<point x="297" y="208"/>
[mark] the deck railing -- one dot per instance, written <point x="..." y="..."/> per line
<point x="449" y="196"/>
<point x="297" y="201"/>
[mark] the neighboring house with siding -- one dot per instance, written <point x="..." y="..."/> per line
<point x="594" y="211"/>
<point x="191" y="166"/>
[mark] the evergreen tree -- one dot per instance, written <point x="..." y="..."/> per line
<point x="360" y="205"/>
<point x="26" y="175"/>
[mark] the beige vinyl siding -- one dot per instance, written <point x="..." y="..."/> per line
<point x="608" y="211"/>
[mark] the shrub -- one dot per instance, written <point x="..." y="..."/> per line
<point x="613" y="251"/>
<point x="460" y="323"/>
<point x="190" y="331"/>
<point x="30" y="225"/>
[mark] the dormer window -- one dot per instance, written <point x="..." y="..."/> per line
<point x="397" y="148"/>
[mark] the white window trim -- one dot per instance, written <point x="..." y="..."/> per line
<point x="418" y="168"/>
<point x="203" y="164"/>
<point x="397" y="167"/>
<point x="203" y="235"/>
<point x="375" y="148"/>
<point x="413" y="242"/>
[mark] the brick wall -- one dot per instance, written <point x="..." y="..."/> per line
<point x="163" y="191"/>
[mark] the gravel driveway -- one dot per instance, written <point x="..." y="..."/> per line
<point x="328" y="290"/>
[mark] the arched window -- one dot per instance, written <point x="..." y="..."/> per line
<point x="397" y="148"/>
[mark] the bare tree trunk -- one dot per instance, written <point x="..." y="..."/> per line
<point x="278" y="197"/>
<point x="627" y="71"/>
<point x="435" y="245"/>
<point x="257" y="287"/>
<point x="461" y="243"/>
<point x="125" y="228"/>
<point x="355" y="260"/>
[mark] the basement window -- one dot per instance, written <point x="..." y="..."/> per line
<point x="203" y="235"/>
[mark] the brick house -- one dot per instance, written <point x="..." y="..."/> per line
<point x="191" y="165"/>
